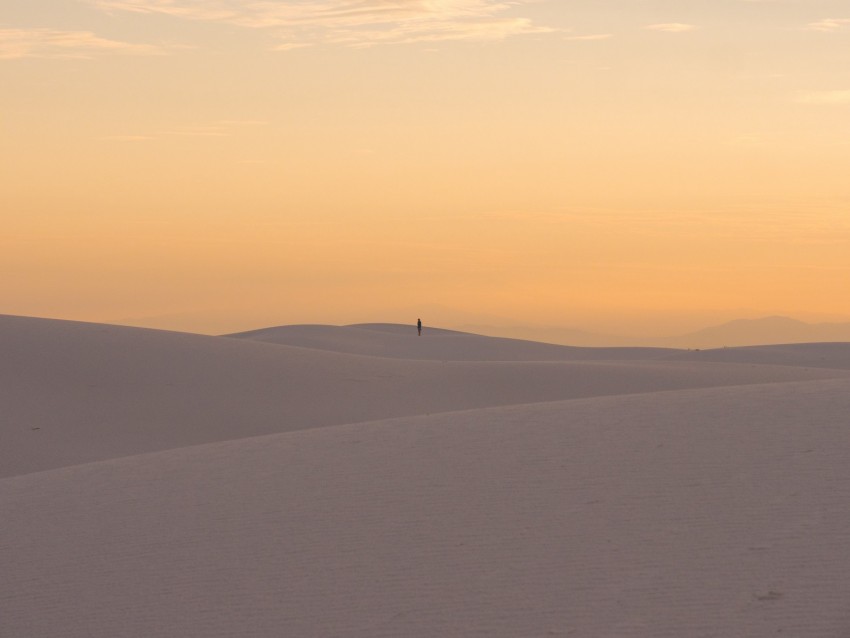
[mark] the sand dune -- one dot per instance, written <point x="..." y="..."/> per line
<point x="75" y="392"/>
<point x="716" y="512"/>
<point x="814" y="355"/>
<point x="393" y="340"/>
<point x="682" y="494"/>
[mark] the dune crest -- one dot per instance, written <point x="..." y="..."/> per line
<point x="393" y="341"/>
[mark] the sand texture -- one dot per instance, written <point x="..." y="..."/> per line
<point x="362" y="481"/>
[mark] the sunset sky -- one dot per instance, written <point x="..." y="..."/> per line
<point x="622" y="166"/>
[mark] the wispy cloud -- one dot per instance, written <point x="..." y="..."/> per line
<point x="54" y="43"/>
<point x="829" y="25"/>
<point x="590" y="37"/>
<point x="290" y="46"/>
<point x="352" y="22"/>
<point x="671" y="27"/>
<point x="824" y="97"/>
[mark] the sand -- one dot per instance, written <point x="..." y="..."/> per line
<point x="168" y="484"/>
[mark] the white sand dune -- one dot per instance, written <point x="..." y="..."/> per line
<point x="650" y="498"/>
<point x="393" y="340"/>
<point x="75" y="392"/>
<point x="814" y="355"/>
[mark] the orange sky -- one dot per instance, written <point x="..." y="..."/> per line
<point x="625" y="167"/>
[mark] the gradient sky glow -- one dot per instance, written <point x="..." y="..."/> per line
<point x="629" y="166"/>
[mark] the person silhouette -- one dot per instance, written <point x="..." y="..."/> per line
<point x="419" y="326"/>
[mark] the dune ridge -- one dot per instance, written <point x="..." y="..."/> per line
<point x="393" y="340"/>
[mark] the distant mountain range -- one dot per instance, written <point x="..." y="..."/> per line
<point x="740" y="332"/>
<point x="768" y="330"/>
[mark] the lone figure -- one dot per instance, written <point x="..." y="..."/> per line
<point x="419" y="326"/>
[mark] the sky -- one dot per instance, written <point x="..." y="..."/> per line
<point x="621" y="166"/>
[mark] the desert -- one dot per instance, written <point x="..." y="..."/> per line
<point x="364" y="481"/>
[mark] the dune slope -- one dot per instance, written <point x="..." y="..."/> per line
<point x="710" y="512"/>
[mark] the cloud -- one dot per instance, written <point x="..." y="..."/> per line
<point x="829" y="25"/>
<point x="197" y="131"/>
<point x="53" y="43"/>
<point x="590" y="37"/>
<point x="290" y="46"/>
<point x="435" y="31"/>
<point x="824" y="97"/>
<point x="671" y="27"/>
<point x="351" y="22"/>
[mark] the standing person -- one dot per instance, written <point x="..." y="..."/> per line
<point x="419" y="326"/>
